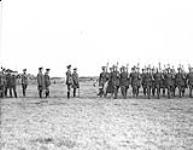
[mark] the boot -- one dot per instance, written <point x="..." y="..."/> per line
<point x="68" y="95"/>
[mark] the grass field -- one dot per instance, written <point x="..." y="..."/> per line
<point x="91" y="123"/>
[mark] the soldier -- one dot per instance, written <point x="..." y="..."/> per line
<point x="173" y="90"/>
<point x="1" y="85"/>
<point x="143" y="81"/>
<point x="115" y="81"/>
<point x="75" y="81"/>
<point x="135" y="81"/>
<point x="40" y="81"/>
<point x="180" y="82"/>
<point x="158" y="77"/>
<point x="124" y="82"/>
<point x="102" y="81"/>
<point x="190" y="81"/>
<point x="153" y="82"/>
<point x="47" y="82"/>
<point x="24" y="81"/>
<point x="68" y="80"/>
<point x="8" y="83"/>
<point x="168" y="81"/>
<point x="14" y="84"/>
<point x="149" y="82"/>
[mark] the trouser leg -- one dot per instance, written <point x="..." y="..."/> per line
<point x="190" y="91"/>
<point x="10" y="91"/>
<point x="148" y="92"/>
<point x="14" y="91"/>
<point x="74" y="92"/>
<point x="68" y="91"/>
<point x="180" y="91"/>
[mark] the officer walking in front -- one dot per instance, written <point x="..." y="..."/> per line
<point x="68" y="80"/>
<point x="24" y="82"/>
<point x="14" y="84"/>
<point x="75" y="82"/>
<point x="124" y="81"/>
<point x="47" y="83"/>
<point x="40" y="81"/>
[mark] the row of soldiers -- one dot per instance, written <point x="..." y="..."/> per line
<point x="152" y="81"/>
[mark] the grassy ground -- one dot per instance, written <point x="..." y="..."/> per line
<point x="90" y="123"/>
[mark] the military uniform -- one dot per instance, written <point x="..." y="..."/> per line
<point x="149" y="82"/>
<point x="47" y="83"/>
<point x="75" y="82"/>
<point x="1" y="85"/>
<point x="13" y="85"/>
<point x="68" y="80"/>
<point x="135" y="81"/>
<point x="180" y="83"/>
<point x="158" y="82"/>
<point x="169" y="83"/>
<point x="8" y="83"/>
<point x="124" y="82"/>
<point x="190" y="82"/>
<point x="24" y="82"/>
<point x="40" y="82"/>
<point x="143" y="82"/>
<point x="115" y="82"/>
<point x="102" y="81"/>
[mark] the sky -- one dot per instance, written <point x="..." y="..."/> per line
<point x="90" y="33"/>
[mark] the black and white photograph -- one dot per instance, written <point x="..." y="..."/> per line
<point x="96" y="75"/>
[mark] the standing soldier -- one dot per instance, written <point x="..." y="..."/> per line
<point x="8" y="83"/>
<point x="168" y="81"/>
<point x="68" y="80"/>
<point x="115" y="81"/>
<point x="47" y="82"/>
<point x="180" y="82"/>
<point x="1" y="85"/>
<point x="75" y="81"/>
<point x="149" y="82"/>
<point x="14" y="84"/>
<point x="102" y="81"/>
<point x="135" y="80"/>
<point x="24" y="81"/>
<point x="124" y="82"/>
<point x="158" y="77"/>
<point x="40" y="81"/>
<point x="190" y="81"/>
<point x="143" y="81"/>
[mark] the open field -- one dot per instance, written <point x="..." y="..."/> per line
<point x="90" y="123"/>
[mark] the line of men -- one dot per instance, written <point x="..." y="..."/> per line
<point x="8" y="82"/>
<point x="152" y="81"/>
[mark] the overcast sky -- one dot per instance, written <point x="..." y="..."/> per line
<point x="90" y="33"/>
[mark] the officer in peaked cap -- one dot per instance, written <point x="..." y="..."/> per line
<point x="68" y="80"/>
<point x="24" y="81"/>
<point x="47" y="82"/>
<point x="40" y="81"/>
<point x="75" y="81"/>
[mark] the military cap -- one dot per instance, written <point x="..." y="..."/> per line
<point x="75" y="69"/>
<point x="179" y="68"/>
<point x="103" y="67"/>
<point x="69" y="66"/>
<point x="25" y="69"/>
<point x="47" y="69"/>
<point x="40" y="68"/>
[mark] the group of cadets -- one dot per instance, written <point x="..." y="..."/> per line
<point x="152" y="80"/>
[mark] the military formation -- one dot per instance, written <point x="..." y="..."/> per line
<point x="154" y="81"/>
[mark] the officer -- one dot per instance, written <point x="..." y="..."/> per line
<point x="102" y="81"/>
<point x="40" y="81"/>
<point x="180" y="82"/>
<point x="47" y="82"/>
<point x="143" y="81"/>
<point x="68" y="80"/>
<point x="190" y="81"/>
<point x="75" y="81"/>
<point x="115" y="81"/>
<point x="124" y="81"/>
<point x="14" y="84"/>
<point x="149" y="82"/>
<point x="24" y="82"/>
<point x="158" y="77"/>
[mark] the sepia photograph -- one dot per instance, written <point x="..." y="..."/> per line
<point x="96" y="75"/>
